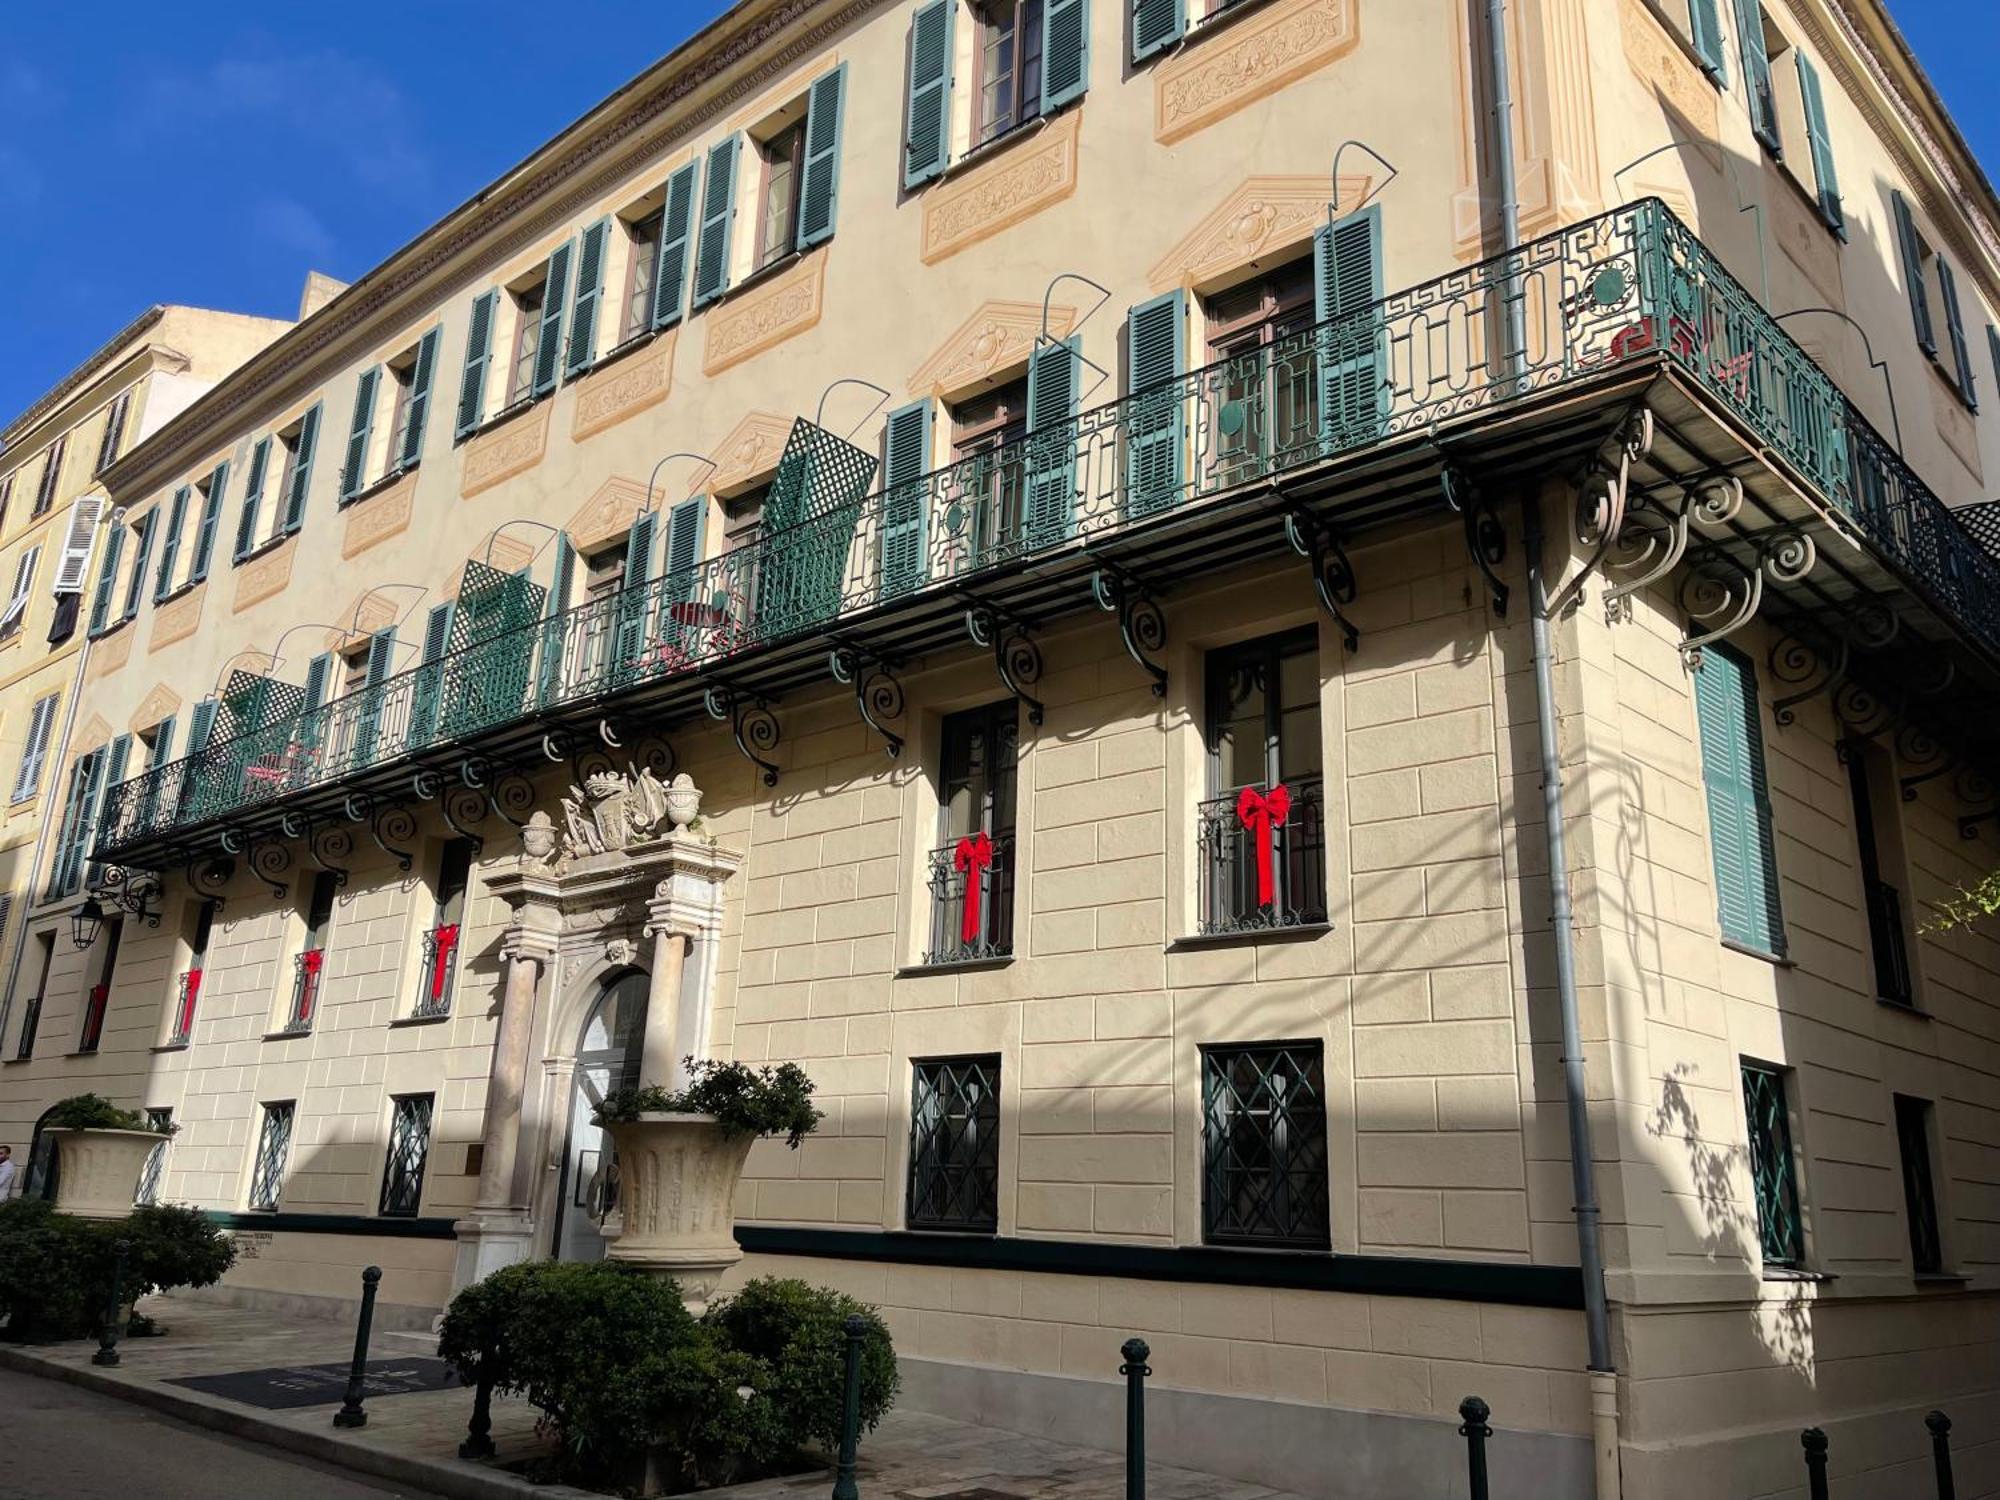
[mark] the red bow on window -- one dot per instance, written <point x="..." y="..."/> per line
<point x="973" y="858"/>
<point x="188" y="997"/>
<point x="313" y="958"/>
<point x="446" y="939"/>
<point x="1260" y="812"/>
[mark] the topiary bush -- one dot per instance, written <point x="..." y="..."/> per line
<point x="754" y="1101"/>
<point x="169" y="1246"/>
<point x="56" y="1269"/>
<point x="800" y="1331"/>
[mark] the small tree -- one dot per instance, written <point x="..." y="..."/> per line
<point x="1972" y="903"/>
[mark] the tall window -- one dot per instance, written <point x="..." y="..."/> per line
<point x="1009" y="52"/>
<point x="1739" y="802"/>
<point x="156" y="1161"/>
<point x="643" y="265"/>
<point x="778" y="201"/>
<point x="1264" y="1157"/>
<point x="114" y="430"/>
<point x="441" y="940"/>
<point x="274" y="1148"/>
<point x="989" y="467"/>
<point x="1913" y="1143"/>
<point x="1773" y="1168"/>
<point x="312" y="955"/>
<point x="31" y="1019"/>
<point x="955" y="1145"/>
<point x="409" y="1149"/>
<point x="45" y="492"/>
<point x="97" y="1001"/>
<point x="1266" y="397"/>
<point x="1261" y="832"/>
<point x="187" y="994"/>
<point x="17" y="599"/>
<point x="1878" y="842"/>
<point x="528" y="311"/>
<point x="972" y="869"/>
<point x="143" y="533"/>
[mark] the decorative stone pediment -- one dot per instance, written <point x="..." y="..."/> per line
<point x="1263" y="216"/>
<point x="995" y="339"/>
<point x="750" y="453"/>
<point x="155" y="706"/>
<point x="765" y="315"/>
<point x="606" y="515"/>
<point x="92" y="734"/>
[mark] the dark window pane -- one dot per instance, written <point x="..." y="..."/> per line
<point x="955" y="1145"/>
<point x="1264" y="1161"/>
<point x="409" y="1148"/>
<point x="1779" y="1230"/>
<point x="1913" y="1139"/>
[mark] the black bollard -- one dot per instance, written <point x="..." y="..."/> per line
<point x="108" y="1330"/>
<point x="1475" y="1431"/>
<point x="1814" y="1442"/>
<point x="1940" y="1426"/>
<point x="1135" y="1370"/>
<point x="350" y="1413"/>
<point x="478" y="1440"/>
<point x="844" y="1486"/>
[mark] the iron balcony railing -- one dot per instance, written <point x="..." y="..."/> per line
<point x="184" y="1005"/>
<point x="972" y="899"/>
<point x="1885" y="935"/>
<point x="305" y="992"/>
<point x="1627" y="288"/>
<point x="434" y="982"/>
<point x="1230" y="854"/>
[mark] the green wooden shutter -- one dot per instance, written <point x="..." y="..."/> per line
<point x="353" y="472"/>
<point x="79" y="810"/>
<point x="548" y="346"/>
<point x="1155" y="353"/>
<point x="549" y="684"/>
<point x="676" y="229"/>
<point x="253" y="497"/>
<point x="162" y="753"/>
<point x="629" y="635"/>
<point x="490" y="663"/>
<point x="1913" y="273"/>
<point x="1821" y="142"/>
<point x="906" y="454"/>
<point x="1993" y="352"/>
<point x="302" y="464"/>
<point x="1705" y="31"/>
<point x="927" y="108"/>
<point x="1053" y="372"/>
<point x="116" y="762"/>
<point x="1156" y="25"/>
<point x="1347" y="282"/>
<point x="1763" y="100"/>
<point x="681" y="568"/>
<point x="107" y="581"/>
<point x="381" y="653"/>
<point x="1739" y="802"/>
<point x="319" y="672"/>
<point x="202" y="724"/>
<point x="1954" y="327"/>
<point x="1065" y="51"/>
<point x="718" y="211"/>
<point x="146" y="528"/>
<point x="589" y="292"/>
<point x="478" y="353"/>
<point x="211" y="518"/>
<point x="419" y="408"/>
<point x="368" y="711"/>
<point x="428" y="689"/>
<point x="819" y="191"/>
<point x="170" y="550"/>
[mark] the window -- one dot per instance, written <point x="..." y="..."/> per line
<point x="312" y="955"/>
<point x="143" y="535"/>
<point x="1264" y="1157"/>
<point x="79" y="816"/>
<point x="1261" y="833"/>
<point x="114" y="430"/>
<point x="6" y="495"/>
<point x="17" y="600"/>
<point x="1773" y="1168"/>
<point x="955" y="1145"/>
<point x="1739" y="802"/>
<point x="187" y="991"/>
<point x="642" y="268"/>
<point x="274" y="1146"/>
<point x="1030" y="58"/>
<point x="150" y="1175"/>
<point x="1267" y="393"/>
<point x="1879" y="844"/>
<point x="989" y="462"/>
<point x="1008" y="54"/>
<point x="441" y="939"/>
<point x="369" y="461"/>
<point x="792" y="189"/>
<point x="31" y="1020"/>
<point x="1927" y="273"/>
<point x="409" y="1147"/>
<point x="45" y="492"/>
<point x="275" y="485"/>
<point x="97" y="1002"/>
<point x="778" y="200"/>
<point x="972" y="870"/>
<point x="743" y="517"/>
<point x="1913" y="1143"/>
<point x="537" y="299"/>
<point x="527" y="341"/>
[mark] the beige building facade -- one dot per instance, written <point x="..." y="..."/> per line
<point x="1119" y="551"/>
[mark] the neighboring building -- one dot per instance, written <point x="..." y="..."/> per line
<point x="993" y="451"/>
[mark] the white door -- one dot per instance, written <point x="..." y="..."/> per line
<point x="607" y="1059"/>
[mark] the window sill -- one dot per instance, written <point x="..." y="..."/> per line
<point x="1904" y="1008"/>
<point x="618" y="351"/>
<point x="757" y="277"/>
<point x="287" y="1036"/>
<point x="1942" y="1278"/>
<point x="1304" y="932"/>
<point x="1776" y="960"/>
<point x="171" y="1046"/>
<point x="502" y="417"/>
<point x="400" y="1021"/>
<point x="957" y="966"/>
<point x="985" y="151"/>
<point x="110" y="630"/>
<point x="82" y="1052"/>
<point x="370" y="491"/>
<point x="161" y="601"/>
<point x="1789" y="1274"/>
<point x="15" y="1062"/>
<point x="269" y="544"/>
<point x="1806" y="195"/>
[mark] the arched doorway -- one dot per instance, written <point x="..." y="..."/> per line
<point x="607" y="1058"/>
<point x="39" y="1180"/>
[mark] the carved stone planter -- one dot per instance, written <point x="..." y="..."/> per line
<point x="677" y="1177"/>
<point x="97" y="1171"/>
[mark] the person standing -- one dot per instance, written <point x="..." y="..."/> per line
<point x="6" y="1173"/>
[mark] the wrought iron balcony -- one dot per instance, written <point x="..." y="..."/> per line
<point x="305" y="992"/>
<point x="184" y="1007"/>
<point x="1885" y="937"/>
<point x="1230" y="855"/>
<point x="1523" y="364"/>
<point x="972" y="899"/>
<point x="440" y="967"/>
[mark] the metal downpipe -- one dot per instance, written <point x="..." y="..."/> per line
<point x="1583" y="1178"/>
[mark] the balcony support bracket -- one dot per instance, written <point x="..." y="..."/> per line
<point x="328" y="844"/>
<point x="514" y="795"/>
<point x="209" y="874"/>
<point x="752" y="723"/>
<point x="1141" y="622"/>
<point x="1927" y="756"/>
<point x="1724" y="594"/>
<point x="1811" y="665"/>
<point x="1601" y="499"/>
<point x="877" y="693"/>
<point x="385" y="821"/>
<point x="462" y="807"/>
<point x="267" y="858"/>
<point x="1015" y="656"/>
<point x="1485" y="537"/>
<point x="1332" y="574"/>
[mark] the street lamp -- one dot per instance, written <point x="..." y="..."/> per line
<point x="85" y="923"/>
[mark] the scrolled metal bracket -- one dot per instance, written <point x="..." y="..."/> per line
<point x="463" y="809"/>
<point x="328" y="844"/>
<point x="1141" y="622"/>
<point x="1928" y="757"/>
<point x="393" y="821"/>
<point x="877" y="693"/>
<point x="1016" y="657"/>
<point x="1725" y="594"/>
<point x="1600" y="504"/>
<point x="1812" y="667"/>
<point x="1485" y="537"/>
<point x="1332" y="574"/>
<point x="1972" y="787"/>
<point x="209" y="874"/>
<point x="514" y="795"/>
<point x="752" y="723"/>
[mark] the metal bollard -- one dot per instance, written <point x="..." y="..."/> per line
<point x="350" y="1413"/>
<point x="1940" y="1426"/>
<point x="1475" y="1431"/>
<point x="844" y="1486"/>
<point x="108" y="1329"/>
<point x="1814" y="1442"/>
<point x="1135" y="1370"/>
<point x="478" y="1440"/>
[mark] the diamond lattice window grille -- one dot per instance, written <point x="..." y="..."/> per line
<point x="1780" y="1230"/>
<point x="274" y="1145"/>
<point x="1264" y="1156"/>
<point x="409" y="1148"/>
<point x="955" y="1145"/>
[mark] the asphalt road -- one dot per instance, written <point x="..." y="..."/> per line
<point x="61" y="1443"/>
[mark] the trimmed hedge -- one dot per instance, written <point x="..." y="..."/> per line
<point x="56" y="1269"/>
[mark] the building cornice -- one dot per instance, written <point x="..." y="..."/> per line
<point x="28" y="420"/>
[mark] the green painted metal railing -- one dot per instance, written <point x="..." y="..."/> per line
<point x="1629" y="287"/>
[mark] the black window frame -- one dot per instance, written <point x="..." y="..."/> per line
<point x="1774" y="1169"/>
<point x="1914" y="1118"/>
<point x="411" y="1118"/>
<point x="997" y="787"/>
<point x="267" y="1172"/>
<point x="934" y="1178"/>
<point x="1298" y="1221"/>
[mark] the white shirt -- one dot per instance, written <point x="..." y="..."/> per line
<point x="6" y="1179"/>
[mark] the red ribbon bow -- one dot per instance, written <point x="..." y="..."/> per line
<point x="446" y="939"/>
<point x="1260" y="812"/>
<point x="973" y="858"/>
<point x="313" y="958"/>
<point x="186" y="1023"/>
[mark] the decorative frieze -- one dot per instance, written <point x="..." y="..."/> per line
<point x="1018" y="182"/>
<point x="176" y="619"/>
<point x="765" y="315"/>
<point x="1261" y="216"/>
<point x="1216" y="76"/>
<point x="264" y="575"/>
<point x="109" y="653"/>
<point x="624" y="388"/>
<point x="1662" y="64"/>
<point x="382" y="515"/>
<point x="512" y="447"/>
<point x="995" y="339"/>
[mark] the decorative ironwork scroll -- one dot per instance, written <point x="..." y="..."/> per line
<point x="463" y="809"/>
<point x="752" y="723"/>
<point x="1725" y="594"/>
<point x="1141" y="623"/>
<point x="1861" y="710"/>
<point x="514" y="796"/>
<point x="1925" y="756"/>
<point x="1333" y="575"/>
<point x="877" y="693"/>
<point x="394" y="821"/>
<point x="210" y="874"/>
<point x="1600" y="505"/>
<point x="1016" y="657"/>
<point x="328" y="844"/>
<point x="1485" y="537"/>
<point x="1810" y="666"/>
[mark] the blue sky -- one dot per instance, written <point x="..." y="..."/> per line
<point x="211" y="154"/>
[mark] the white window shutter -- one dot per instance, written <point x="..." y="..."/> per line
<point x="74" y="564"/>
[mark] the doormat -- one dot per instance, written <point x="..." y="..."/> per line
<point x="288" y="1386"/>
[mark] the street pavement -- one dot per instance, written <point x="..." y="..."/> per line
<point x="61" y="1443"/>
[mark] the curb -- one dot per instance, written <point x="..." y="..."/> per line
<point x="462" y="1480"/>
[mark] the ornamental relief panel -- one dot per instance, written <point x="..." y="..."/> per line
<point x="176" y="619"/>
<point x="109" y="653"/>
<point x="996" y="338"/>
<point x="608" y="396"/>
<point x="95" y="734"/>
<point x="155" y="706"/>
<point x="1661" y="64"/>
<point x="607" y="515"/>
<point x="998" y="193"/>
<point x="264" y="575"/>
<point x="1264" y="216"/>
<point x="1954" y="425"/>
<point x="382" y="515"/>
<point x="514" y="447"/>
<point x="1807" y="243"/>
<point x="369" y="612"/>
<point x="1216" y="76"/>
<point x="749" y="453"/>
<point x="765" y="315"/>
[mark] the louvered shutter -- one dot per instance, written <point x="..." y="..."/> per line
<point x="1705" y="31"/>
<point x="161" y="753"/>
<point x="927" y="110"/>
<point x="718" y="211"/>
<point x="163" y="743"/>
<point x="1347" y="282"/>
<point x="381" y="652"/>
<point x="211" y="517"/>
<point x="354" y="468"/>
<point x="1051" y="444"/>
<point x="114" y="431"/>
<point x="1757" y="74"/>
<point x="1156" y="24"/>
<point x="202" y="724"/>
<point x="1065" y="51"/>
<point x="74" y="563"/>
<point x="1954" y="327"/>
<point x="1156" y="352"/>
<point x="429" y="687"/>
<point x="146" y="528"/>
<point x="368" y="712"/>
<point x="1739" y="810"/>
<point x="116" y="762"/>
<point x="6" y="495"/>
<point x="1825" y="178"/>
<point x="1993" y="352"/>
<point x="589" y="292"/>
<point x="253" y="497"/>
<point x="170" y="548"/>
<point x="819" y="191"/>
<point x="478" y="353"/>
<point x="302" y="465"/>
<point x="629" y="635"/>
<point x="41" y="720"/>
<point x="319" y="672"/>
<point x="906" y="453"/>
<point x="549" y="682"/>
<point x="74" y="834"/>
<point x="418" y="411"/>
<point x="1913" y="273"/>
<point x="107" y="581"/>
<point x="681" y="568"/>
<point x="548" y="344"/>
<point x="676" y="230"/>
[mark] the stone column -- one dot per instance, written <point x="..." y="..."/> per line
<point x="528" y="956"/>
<point x="660" y="1057"/>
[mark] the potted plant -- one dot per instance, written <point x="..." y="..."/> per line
<point x="680" y="1155"/>
<point x="100" y="1152"/>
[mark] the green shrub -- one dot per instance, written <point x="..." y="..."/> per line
<point x="170" y="1246"/>
<point x="800" y="1331"/>
<point x="91" y="1112"/>
<point x="56" y="1269"/>
<point x="759" y="1101"/>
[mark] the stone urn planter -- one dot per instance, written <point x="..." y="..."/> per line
<point x="677" y="1176"/>
<point x="97" y="1171"/>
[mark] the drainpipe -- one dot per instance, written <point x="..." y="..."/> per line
<point x="1583" y="1181"/>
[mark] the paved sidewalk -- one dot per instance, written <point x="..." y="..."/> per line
<point x="413" y="1439"/>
